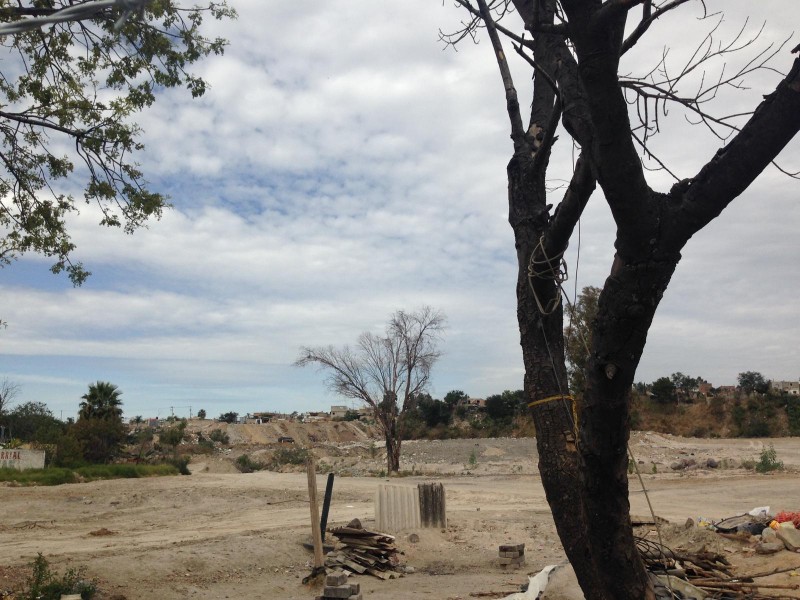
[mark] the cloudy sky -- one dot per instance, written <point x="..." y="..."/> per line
<point x="344" y="165"/>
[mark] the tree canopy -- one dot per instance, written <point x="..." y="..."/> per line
<point x="102" y="401"/>
<point x="68" y="97"/>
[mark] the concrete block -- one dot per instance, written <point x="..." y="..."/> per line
<point x="510" y="555"/>
<point x="355" y="588"/>
<point x="336" y="578"/>
<point x="337" y="591"/>
<point x="512" y="548"/>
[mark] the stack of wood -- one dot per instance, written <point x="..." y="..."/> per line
<point x="363" y="551"/>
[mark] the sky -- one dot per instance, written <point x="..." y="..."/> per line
<point x="345" y="164"/>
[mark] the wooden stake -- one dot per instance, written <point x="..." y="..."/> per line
<point x="316" y="536"/>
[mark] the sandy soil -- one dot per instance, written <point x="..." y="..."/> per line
<point x="222" y="534"/>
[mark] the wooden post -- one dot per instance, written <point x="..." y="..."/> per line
<point x="326" y="504"/>
<point x="316" y="536"/>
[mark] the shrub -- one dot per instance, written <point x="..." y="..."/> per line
<point x="793" y="412"/>
<point x="46" y="585"/>
<point x="289" y="456"/>
<point x="217" y="435"/>
<point x="768" y="461"/>
<point x="245" y="464"/>
<point x="181" y="463"/>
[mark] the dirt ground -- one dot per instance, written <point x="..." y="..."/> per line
<point x="222" y="534"/>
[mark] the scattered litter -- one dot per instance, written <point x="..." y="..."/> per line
<point x="536" y="585"/>
<point x="785" y="517"/>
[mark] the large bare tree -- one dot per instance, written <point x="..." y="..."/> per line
<point x="384" y="372"/>
<point x="573" y="48"/>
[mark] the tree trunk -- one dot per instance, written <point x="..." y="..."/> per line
<point x="393" y="443"/>
<point x="542" y="342"/>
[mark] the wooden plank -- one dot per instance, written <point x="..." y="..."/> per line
<point x="316" y="534"/>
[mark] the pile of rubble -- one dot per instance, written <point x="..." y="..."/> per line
<point x="678" y="573"/>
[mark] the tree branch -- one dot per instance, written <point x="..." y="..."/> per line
<point x="647" y="20"/>
<point x="512" y="102"/>
<point x="734" y="167"/>
<point x="571" y="207"/>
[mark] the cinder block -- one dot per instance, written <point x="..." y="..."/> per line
<point x="337" y="591"/>
<point x="336" y="578"/>
<point x="510" y="554"/>
<point x="512" y="548"/>
<point x="355" y="588"/>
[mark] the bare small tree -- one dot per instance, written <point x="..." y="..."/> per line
<point x="384" y="372"/>
<point x="8" y="392"/>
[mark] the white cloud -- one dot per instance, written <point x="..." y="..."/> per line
<point x="340" y="167"/>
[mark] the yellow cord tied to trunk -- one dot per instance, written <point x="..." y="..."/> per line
<point x="560" y="397"/>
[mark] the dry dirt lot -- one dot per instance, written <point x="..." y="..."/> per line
<point x="222" y="534"/>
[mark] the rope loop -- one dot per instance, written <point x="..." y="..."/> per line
<point x="565" y="397"/>
<point x="550" y="269"/>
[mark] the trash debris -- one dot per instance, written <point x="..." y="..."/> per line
<point x="536" y="585"/>
<point x="785" y="517"/>
<point x="743" y="523"/>
<point x="707" y="572"/>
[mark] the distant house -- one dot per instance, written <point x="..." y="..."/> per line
<point x="339" y="412"/>
<point x="311" y="417"/>
<point x="704" y="388"/>
<point x="473" y="403"/>
<point x="786" y="387"/>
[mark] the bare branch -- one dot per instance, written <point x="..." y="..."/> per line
<point x="512" y="102"/>
<point x="773" y="124"/>
<point x="648" y="19"/>
<point x="570" y="208"/>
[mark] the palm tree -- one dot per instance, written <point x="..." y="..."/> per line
<point x="101" y="402"/>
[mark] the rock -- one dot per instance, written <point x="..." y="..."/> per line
<point x="712" y="463"/>
<point x="414" y="538"/>
<point x="789" y="537"/>
<point x="355" y="524"/>
<point x="769" y="535"/>
<point x="769" y="547"/>
<point x="689" y="523"/>
<point x="677" y="466"/>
